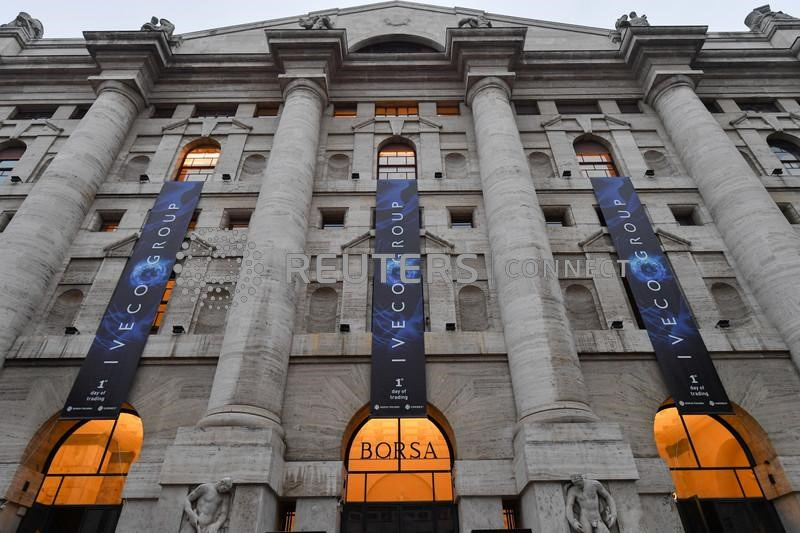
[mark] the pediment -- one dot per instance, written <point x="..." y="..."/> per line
<point x="392" y="21"/>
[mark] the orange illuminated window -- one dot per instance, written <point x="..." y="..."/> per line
<point x="91" y="464"/>
<point x="198" y="164"/>
<point x="162" y="307"/>
<point x="345" y="109"/>
<point x="399" y="460"/>
<point x="706" y="458"/>
<point x="595" y="160"/>
<point x="397" y="162"/>
<point x="396" y="109"/>
<point x="447" y="108"/>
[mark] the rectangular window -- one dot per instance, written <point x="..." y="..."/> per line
<point x="632" y="302"/>
<point x="578" y="107"/>
<point x="163" y="111"/>
<point x="332" y="218"/>
<point x="629" y="106"/>
<point x="5" y="218"/>
<point x="509" y="514"/>
<point x="108" y="221"/>
<point x="286" y="512"/>
<point x="162" y="307"/>
<point x="557" y="216"/>
<point x="790" y="213"/>
<point x="600" y="216"/>
<point x="447" y="109"/>
<point x="345" y="109"/>
<point x="215" y="110"/>
<point x="685" y="215"/>
<point x="237" y="218"/>
<point x="462" y="217"/>
<point x="758" y="106"/>
<point x="267" y="110"/>
<point x="527" y="107"/>
<point x="79" y="112"/>
<point x="193" y="221"/>
<point x="33" y="112"/>
<point x="396" y="109"/>
<point x="712" y="105"/>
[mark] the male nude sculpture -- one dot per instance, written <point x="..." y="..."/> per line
<point x="207" y="507"/>
<point x="587" y="493"/>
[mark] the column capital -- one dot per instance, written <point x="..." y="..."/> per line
<point x="659" y="53"/>
<point x="132" y="58"/>
<point x="479" y="84"/>
<point x="121" y="86"/>
<point x="315" y="83"/>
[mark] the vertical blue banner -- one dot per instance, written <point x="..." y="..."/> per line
<point x="398" y="321"/>
<point x="685" y="362"/>
<point x="107" y="373"/>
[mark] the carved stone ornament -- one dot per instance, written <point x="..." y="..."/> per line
<point x="760" y="16"/>
<point x="316" y="22"/>
<point x="206" y="508"/>
<point x="475" y="22"/>
<point x="590" y="507"/>
<point x="631" y="19"/>
<point x="33" y="27"/>
<point x="157" y="24"/>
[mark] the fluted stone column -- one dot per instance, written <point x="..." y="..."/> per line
<point x="761" y="241"/>
<point x="36" y="241"/>
<point x="545" y="372"/>
<point x="251" y="373"/>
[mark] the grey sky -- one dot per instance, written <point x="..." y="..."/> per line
<point x="69" y="19"/>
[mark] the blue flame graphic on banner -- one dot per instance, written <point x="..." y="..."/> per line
<point x="398" y="324"/>
<point x="107" y="373"/>
<point x="682" y="356"/>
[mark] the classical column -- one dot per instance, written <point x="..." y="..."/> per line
<point x="545" y="372"/>
<point x="36" y="241"/>
<point x="254" y="360"/>
<point x="764" y="246"/>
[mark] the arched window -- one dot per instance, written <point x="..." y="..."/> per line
<point x="83" y="466"/>
<point x="581" y="309"/>
<point x="455" y="166"/>
<point x="540" y="165"/>
<point x="64" y="311"/>
<point x="788" y="153"/>
<point x="729" y="302"/>
<point x="198" y="163"/>
<point x="658" y="162"/>
<point x="399" y="460"/>
<point x="397" y="161"/>
<point x="472" y="308"/>
<point x="9" y="156"/>
<point x="135" y="167"/>
<point x="91" y="463"/>
<point x="322" y="311"/>
<point x="595" y="159"/>
<point x="712" y="469"/>
<point x="253" y="167"/>
<point x="338" y="167"/>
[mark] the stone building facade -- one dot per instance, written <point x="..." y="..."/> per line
<point x="531" y="379"/>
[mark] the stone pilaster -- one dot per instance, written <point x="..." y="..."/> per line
<point x="761" y="241"/>
<point x="546" y="375"/>
<point x="251" y="373"/>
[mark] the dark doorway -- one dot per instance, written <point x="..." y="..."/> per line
<point x="70" y="519"/>
<point x="729" y="516"/>
<point x="399" y="518"/>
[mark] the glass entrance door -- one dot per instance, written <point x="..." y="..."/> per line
<point x="71" y="519"/>
<point x="729" y="516"/>
<point x="399" y="518"/>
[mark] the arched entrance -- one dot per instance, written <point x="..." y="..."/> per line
<point x="717" y="489"/>
<point x="83" y="474"/>
<point x="398" y="478"/>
